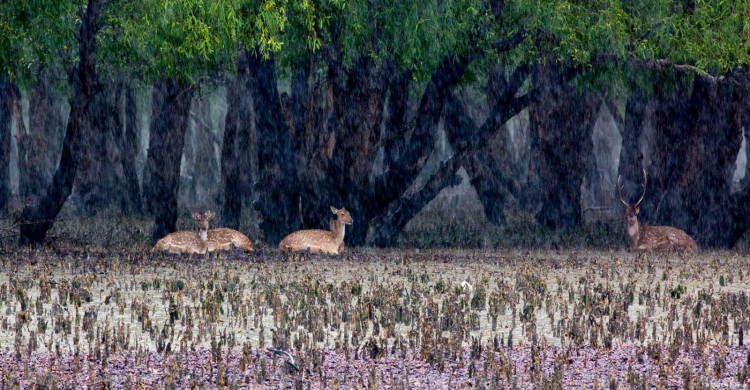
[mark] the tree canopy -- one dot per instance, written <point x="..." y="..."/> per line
<point x="191" y="38"/>
<point x="369" y="53"/>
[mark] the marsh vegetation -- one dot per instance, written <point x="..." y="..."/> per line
<point x="388" y="318"/>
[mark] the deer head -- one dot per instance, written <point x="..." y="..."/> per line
<point x="342" y="215"/>
<point x="631" y="213"/>
<point x="201" y="223"/>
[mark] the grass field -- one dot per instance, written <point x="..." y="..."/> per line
<point x="121" y="317"/>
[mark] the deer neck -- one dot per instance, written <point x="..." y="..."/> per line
<point x="203" y="235"/>
<point x="338" y="230"/>
<point x="634" y="233"/>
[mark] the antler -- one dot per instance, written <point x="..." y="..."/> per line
<point x="622" y="199"/>
<point x="644" y="189"/>
<point x="619" y="189"/>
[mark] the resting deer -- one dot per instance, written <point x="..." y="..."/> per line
<point x="653" y="237"/>
<point x="186" y="241"/>
<point x="324" y="241"/>
<point x="225" y="238"/>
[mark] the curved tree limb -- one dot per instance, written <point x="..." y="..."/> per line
<point x="385" y="227"/>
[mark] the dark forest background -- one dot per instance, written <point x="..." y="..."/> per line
<point x="523" y="112"/>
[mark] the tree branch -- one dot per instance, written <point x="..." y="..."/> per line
<point x="509" y="43"/>
<point x="665" y="63"/>
<point x="402" y="209"/>
<point x="516" y="80"/>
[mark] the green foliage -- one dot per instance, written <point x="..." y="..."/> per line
<point x="713" y="36"/>
<point x="180" y="39"/>
<point x="36" y="35"/>
<point x="190" y="39"/>
<point x="568" y="32"/>
<point x="413" y="35"/>
<point x="261" y="23"/>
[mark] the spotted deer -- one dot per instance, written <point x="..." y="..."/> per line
<point x="652" y="237"/>
<point x="323" y="241"/>
<point x="186" y="241"/>
<point x="224" y="239"/>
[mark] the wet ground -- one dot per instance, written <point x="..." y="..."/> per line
<point x="374" y="318"/>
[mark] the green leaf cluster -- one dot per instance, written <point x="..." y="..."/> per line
<point x="711" y="35"/>
<point x="36" y="36"/>
<point x="414" y="35"/>
<point x="179" y="39"/>
<point x="190" y="39"/>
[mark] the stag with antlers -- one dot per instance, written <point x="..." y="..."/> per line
<point x="652" y="237"/>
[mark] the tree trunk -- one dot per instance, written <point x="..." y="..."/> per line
<point x="467" y="140"/>
<point x="231" y="200"/>
<point x="698" y="137"/>
<point x="298" y="103"/>
<point x="415" y="145"/>
<point x="247" y="148"/>
<point x="491" y="168"/>
<point x="564" y="121"/>
<point x="669" y="148"/>
<point x="357" y="134"/>
<point x="355" y="103"/>
<point x="100" y="181"/>
<point x="21" y="140"/>
<point x="398" y="105"/>
<point x="238" y="109"/>
<point x="406" y="150"/>
<point x="38" y="150"/>
<point x="312" y="129"/>
<point x="316" y="139"/>
<point x="742" y="198"/>
<point x="631" y="157"/>
<point x="491" y="177"/>
<point x="529" y="194"/>
<point x="169" y="122"/>
<point x="277" y="183"/>
<point x="129" y="144"/>
<point x="201" y="175"/>
<point x="39" y="218"/>
<point x="712" y="159"/>
<point x="6" y="119"/>
<point x="309" y="142"/>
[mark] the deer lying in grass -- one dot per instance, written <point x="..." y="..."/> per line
<point x="224" y="239"/>
<point x="203" y="240"/>
<point x="186" y="241"/>
<point x="323" y="241"/>
<point x="653" y="237"/>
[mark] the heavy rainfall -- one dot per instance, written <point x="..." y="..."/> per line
<point x="334" y="194"/>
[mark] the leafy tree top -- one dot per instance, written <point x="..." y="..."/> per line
<point x="36" y="36"/>
<point x="188" y="39"/>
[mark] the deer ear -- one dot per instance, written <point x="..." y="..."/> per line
<point x="210" y="214"/>
<point x="637" y="209"/>
<point x="333" y="210"/>
<point x="196" y="215"/>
